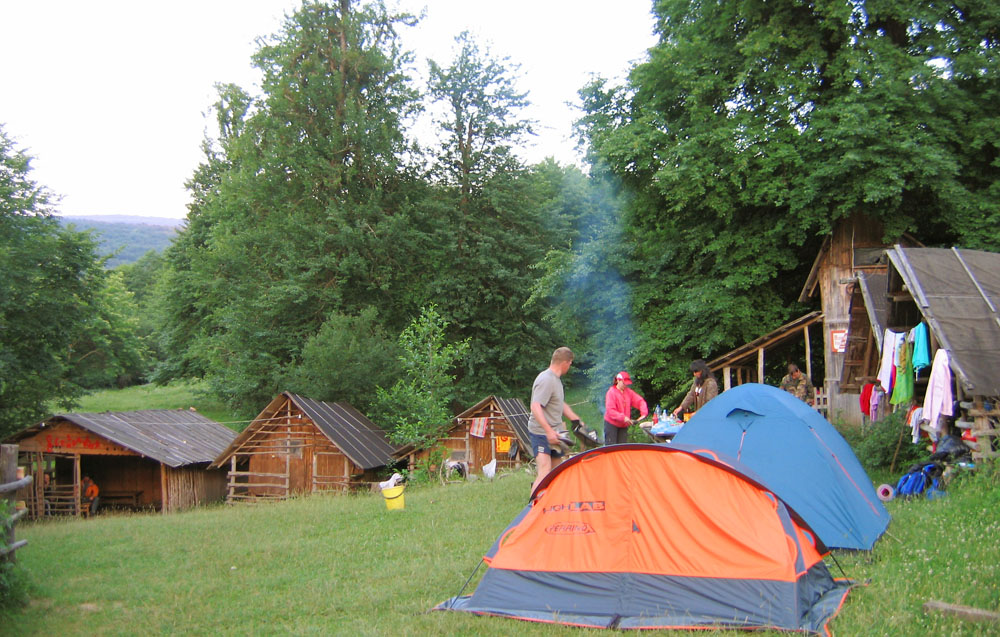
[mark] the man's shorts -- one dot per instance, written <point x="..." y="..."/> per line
<point x="540" y="444"/>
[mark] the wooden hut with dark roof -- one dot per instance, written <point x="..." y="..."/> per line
<point x="300" y="445"/>
<point x="155" y="458"/>
<point x="956" y="292"/>
<point x="494" y="428"/>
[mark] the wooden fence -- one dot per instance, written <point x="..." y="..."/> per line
<point x="9" y="484"/>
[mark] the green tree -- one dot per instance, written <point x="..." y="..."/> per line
<point x="753" y="127"/>
<point x="108" y="352"/>
<point x="347" y="360"/>
<point x="49" y="277"/>
<point x="481" y="120"/>
<point x="492" y="229"/>
<point x="302" y="208"/>
<point x="417" y="404"/>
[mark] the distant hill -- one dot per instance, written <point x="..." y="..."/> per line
<point x="130" y="219"/>
<point x="128" y="236"/>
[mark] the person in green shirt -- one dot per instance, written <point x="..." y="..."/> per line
<point x="799" y="385"/>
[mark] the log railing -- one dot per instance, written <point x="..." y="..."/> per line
<point x="9" y="484"/>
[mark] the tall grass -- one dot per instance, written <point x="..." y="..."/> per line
<point x="344" y="565"/>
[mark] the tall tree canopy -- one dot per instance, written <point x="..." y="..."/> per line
<point x="754" y="126"/>
<point x="59" y="327"/>
<point x="311" y="218"/>
<point x="301" y="211"/>
<point x="495" y="222"/>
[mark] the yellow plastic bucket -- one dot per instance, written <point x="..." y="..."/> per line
<point x="394" y="497"/>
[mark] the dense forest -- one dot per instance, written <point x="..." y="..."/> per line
<point x="326" y="252"/>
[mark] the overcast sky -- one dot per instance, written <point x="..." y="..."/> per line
<point x="110" y="97"/>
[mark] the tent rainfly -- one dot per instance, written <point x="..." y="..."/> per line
<point x="656" y="537"/>
<point x="797" y="454"/>
<point x="300" y="445"/>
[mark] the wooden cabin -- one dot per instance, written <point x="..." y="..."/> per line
<point x="298" y="445"/>
<point x="493" y="428"/>
<point x="156" y="459"/>
<point x="957" y="294"/>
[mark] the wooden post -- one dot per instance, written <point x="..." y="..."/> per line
<point x="727" y="378"/>
<point x="164" y="492"/>
<point x="232" y="476"/>
<point x="760" y="366"/>
<point x="76" y="485"/>
<point x="8" y="473"/>
<point x="809" y="364"/>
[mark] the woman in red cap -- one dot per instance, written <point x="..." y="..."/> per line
<point x="618" y="404"/>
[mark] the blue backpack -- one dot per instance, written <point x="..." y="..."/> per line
<point x="918" y="478"/>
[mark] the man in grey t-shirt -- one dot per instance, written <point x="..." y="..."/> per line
<point x="548" y="406"/>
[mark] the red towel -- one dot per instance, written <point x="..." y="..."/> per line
<point x="478" y="427"/>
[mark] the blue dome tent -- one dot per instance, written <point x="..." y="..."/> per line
<point x="799" y="455"/>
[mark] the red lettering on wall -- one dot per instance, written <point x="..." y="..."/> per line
<point x="70" y="442"/>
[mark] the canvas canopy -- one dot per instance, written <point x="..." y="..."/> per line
<point x="653" y="536"/>
<point x="799" y="455"/>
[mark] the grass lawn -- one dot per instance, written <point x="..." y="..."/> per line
<point x="344" y="565"/>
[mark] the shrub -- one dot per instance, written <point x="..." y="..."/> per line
<point x="876" y="445"/>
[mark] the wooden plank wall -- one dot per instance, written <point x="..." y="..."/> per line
<point x="836" y="275"/>
<point x="478" y="451"/>
<point x="187" y="487"/>
<point x="287" y="455"/>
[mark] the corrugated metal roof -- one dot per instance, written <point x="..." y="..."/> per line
<point x="175" y="437"/>
<point x="517" y="414"/>
<point x="958" y="294"/>
<point x="360" y="439"/>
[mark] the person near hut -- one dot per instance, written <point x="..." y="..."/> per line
<point x="46" y="492"/>
<point x="548" y="407"/>
<point x="798" y="384"/>
<point x="91" y="496"/>
<point x="619" y="402"/>
<point x="703" y="389"/>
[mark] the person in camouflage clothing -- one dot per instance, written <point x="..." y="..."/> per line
<point x="799" y="385"/>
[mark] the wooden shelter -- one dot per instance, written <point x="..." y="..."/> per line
<point x="300" y="445"/>
<point x="153" y="458"/>
<point x="957" y="294"/>
<point x="494" y="428"/>
<point x="745" y="364"/>
<point x="855" y="247"/>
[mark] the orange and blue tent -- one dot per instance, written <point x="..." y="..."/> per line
<point x="657" y="537"/>
<point x="799" y="455"/>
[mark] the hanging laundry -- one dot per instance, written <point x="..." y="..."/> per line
<point x="478" y="427"/>
<point x="939" y="397"/>
<point x="913" y="418"/>
<point x="902" y="390"/>
<point x="921" y="348"/>
<point x="877" y="407"/>
<point x="866" y="399"/>
<point x="887" y="366"/>
<point x="503" y="444"/>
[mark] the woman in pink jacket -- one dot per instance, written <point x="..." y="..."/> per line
<point x="618" y="405"/>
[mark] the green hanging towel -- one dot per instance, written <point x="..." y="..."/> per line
<point x="902" y="391"/>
